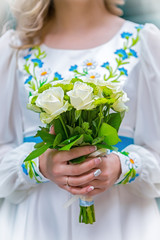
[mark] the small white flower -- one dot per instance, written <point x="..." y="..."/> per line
<point x="93" y="75"/>
<point x="51" y="101"/>
<point x="90" y="64"/>
<point x="44" y="73"/>
<point x="132" y="163"/>
<point x="81" y="96"/>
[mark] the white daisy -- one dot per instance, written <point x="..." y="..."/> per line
<point x="90" y="64"/>
<point x="131" y="162"/>
<point x="93" y="75"/>
<point x="44" y="73"/>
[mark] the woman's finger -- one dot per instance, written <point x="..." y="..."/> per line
<point x="78" y="190"/>
<point x="73" y="153"/>
<point x="83" y="179"/>
<point x="79" y="169"/>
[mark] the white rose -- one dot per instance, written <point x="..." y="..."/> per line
<point x="81" y="96"/>
<point x="51" y="101"/>
<point x="119" y="105"/>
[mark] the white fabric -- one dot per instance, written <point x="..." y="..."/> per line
<point x="30" y="211"/>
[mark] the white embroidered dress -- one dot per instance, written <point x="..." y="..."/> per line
<point x="30" y="211"/>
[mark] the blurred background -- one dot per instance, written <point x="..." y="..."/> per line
<point x="140" y="11"/>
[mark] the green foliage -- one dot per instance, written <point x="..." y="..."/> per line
<point x="38" y="145"/>
<point x="78" y="160"/>
<point x="107" y="92"/>
<point x="65" y="87"/>
<point x="76" y="142"/>
<point x="58" y="128"/>
<point x="45" y="136"/>
<point x="109" y="133"/>
<point x="44" y="87"/>
<point x="98" y="140"/>
<point x="37" y="152"/>
<point x="95" y="88"/>
<point x="115" y="120"/>
<point x="34" y="99"/>
<point x="76" y="80"/>
<point x="57" y="140"/>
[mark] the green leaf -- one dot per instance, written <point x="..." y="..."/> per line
<point x="78" y="131"/>
<point x="31" y="173"/>
<point x="85" y="126"/>
<point x="57" y="140"/>
<point x="125" y="153"/>
<point x="126" y="180"/>
<point x="133" y="173"/>
<point x="45" y="136"/>
<point x="44" y="87"/>
<point x="87" y="138"/>
<point x="71" y="130"/>
<point x="34" y="99"/>
<point x="38" y="145"/>
<point x="78" y="160"/>
<point x="69" y="140"/>
<point x="107" y="92"/>
<point x="115" y="120"/>
<point x="76" y="80"/>
<point x="74" y="143"/>
<point x="77" y="114"/>
<point x="98" y="140"/>
<point x="58" y="128"/>
<point x="110" y="134"/>
<point x="107" y="147"/>
<point x="36" y="153"/>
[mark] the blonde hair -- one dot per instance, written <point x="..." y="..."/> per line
<point x="32" y="15"/>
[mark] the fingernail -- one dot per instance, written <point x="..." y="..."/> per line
<point x="93" y="148"/>
<point x="97" y="172"/>
<point x="98" y="160"/>
<point x="91" y="188"/>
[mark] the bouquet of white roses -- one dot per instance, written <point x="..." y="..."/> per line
<point x="83" y="112"/>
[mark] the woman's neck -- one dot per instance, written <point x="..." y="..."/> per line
<point x="79" y="24"/>
<point x="77" y="15"/>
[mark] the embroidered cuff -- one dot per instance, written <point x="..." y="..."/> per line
<point x="130" y="165"/>
<point x="32" y="173"/>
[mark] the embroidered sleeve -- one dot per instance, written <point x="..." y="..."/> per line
<point x="32" y="173"/>
<point x="130" y="165"/>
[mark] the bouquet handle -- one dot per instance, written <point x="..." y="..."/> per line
<point x="87" y="212"/>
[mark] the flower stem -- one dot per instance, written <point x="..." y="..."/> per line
<point x="64" y="127"/>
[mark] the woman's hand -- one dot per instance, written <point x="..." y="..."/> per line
<point x="54" y="165"/>
<point x="110" y="171"/>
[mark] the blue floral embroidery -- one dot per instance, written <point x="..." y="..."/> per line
<point x="28" y="80"/>
<point x="73" y="68"/>
<point x="27" y="57"/>
<point x="132" y="179"/>
<point x="126" y="35"/>
<point x="37" y="62"/>
<point x="24" y="169"/>
<point x="38" y="78"/>
<point x="105" y="65"/>
<point x="57" y="76"/>
<point x="133" y="53"/>
<point x="121" y="53"/>
<point x="139" y="27"/>
<point x="123" y="71"/>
